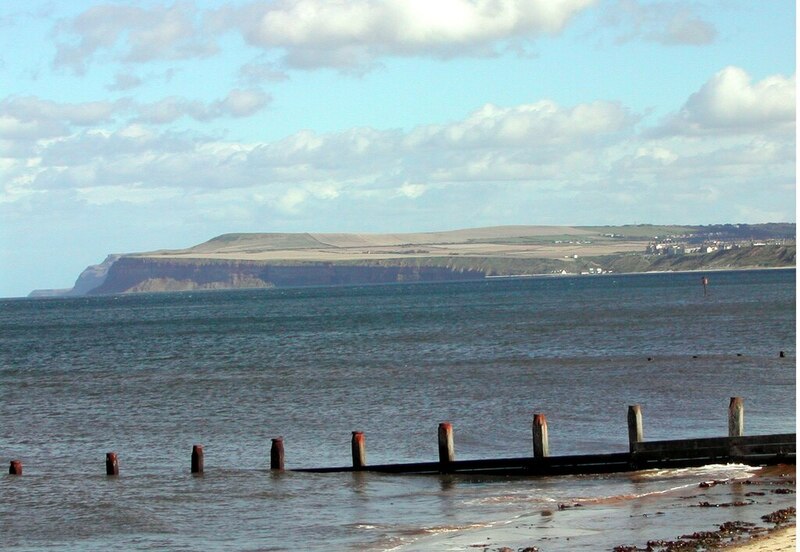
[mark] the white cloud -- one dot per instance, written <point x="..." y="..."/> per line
<point x="136" y="194"/>
<point x="412" y="191"/>
<point x="514" y="143"/>
<point x="593" y="155"/>
<point x="124" y="81"/>
<point x="238" y="103"/>
<point x="541" y="124"/>
<point x="15" y="128"/>
<point x="132" y="34"/>
<point x="351" y="35"/>
<point x="35" y="110"/>
<point x="257" y="72"/>
<point x="731" y="102"/>
<point x="33" y="118"/>
<point x="657" y="154"/>
<point x="169" y="109"/>
<point x="325" y="191"/>
<point x="665" y="22"/>
<point x="318" y="33"/>
<point x="241" y="103"/>
<point x="291" y="200"/>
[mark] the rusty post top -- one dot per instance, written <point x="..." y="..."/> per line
<point x="539" y="419"/>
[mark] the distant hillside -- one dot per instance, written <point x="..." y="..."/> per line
<point x="241" y="261"/>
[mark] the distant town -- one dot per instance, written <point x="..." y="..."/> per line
<point x="679" y="246"/>
<point x="700" y="241"/>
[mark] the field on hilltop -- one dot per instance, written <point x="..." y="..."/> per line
<point x="262" y="260"/>
<point x="546" y="242"/>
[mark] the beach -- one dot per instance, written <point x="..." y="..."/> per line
<point x="752" y="511"/>
<point x="779" y="540"/>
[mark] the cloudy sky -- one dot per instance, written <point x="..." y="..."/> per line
<point x="133" y="126"/>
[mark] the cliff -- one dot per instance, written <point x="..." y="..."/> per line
<point x="137" y="274"/>
<point x="93" y="276"/>
<point x="147" y="274"/>
<point x="246" y="261"/>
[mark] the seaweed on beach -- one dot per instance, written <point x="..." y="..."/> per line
<point x="699" y="540"/>
<point x="713" y="483"/>
<point x="705" y="540"/>
<point x="780" y="517"/>
<point x="568" y="506"/>
<point x="706" y="504"/>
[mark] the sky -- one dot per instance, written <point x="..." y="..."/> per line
<point x="136" y="126"/>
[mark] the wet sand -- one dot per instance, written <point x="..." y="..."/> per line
<point x="749" y="513"/>
<point x="783" y="539"/>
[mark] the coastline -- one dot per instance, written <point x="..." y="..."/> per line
<point x="750" y="511"/>
<point x="642" y="273"/>
<point x="49" y="294"/>
<point x="262" y="260"/>
<point x="780" y="539"/>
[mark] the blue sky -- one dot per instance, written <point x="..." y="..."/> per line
<point x="134" y="126"/>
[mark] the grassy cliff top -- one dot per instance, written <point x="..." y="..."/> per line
<point x="526" y="242"/>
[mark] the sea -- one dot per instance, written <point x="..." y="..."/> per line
<point x="149" y="376"/>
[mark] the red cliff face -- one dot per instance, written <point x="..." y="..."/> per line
<point x="142" y="274"/>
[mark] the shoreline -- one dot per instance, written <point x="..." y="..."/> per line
<point x="740" y="513"/>
<point x="34" y="296"/>
<point x="779" y="539"/>
<point x="642" y="273"/>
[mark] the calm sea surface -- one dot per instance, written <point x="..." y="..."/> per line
<point x="148" y="376"/>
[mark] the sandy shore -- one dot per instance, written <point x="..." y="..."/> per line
<point x="783" y="539"/>
<point x="668" y="510"/>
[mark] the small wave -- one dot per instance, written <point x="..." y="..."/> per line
<point x="526" y="500"/>
<point x="721" y="471"/>
<point x="454" y="528"/>
<point x="633" y="496"/>
<point x="509" y="499"/>
<point x="689" y="478"/>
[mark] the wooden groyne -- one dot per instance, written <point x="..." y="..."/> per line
<point x="754" y="450"/>
<point x="758" y="450"/>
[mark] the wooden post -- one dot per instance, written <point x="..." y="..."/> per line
<point x="197" y="459"/>
<point x="447" y="453"/>
<point x="541" y="447"/>
<point x="736" y="417"/>
<point x="635" y="431"/>
<point x="15" y="468"/>
<point x="276" y="454"/>
<point x="358" y="446"/>
<point x="112" y="464"/>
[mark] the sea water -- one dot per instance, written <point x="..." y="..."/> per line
<point x="150" y="375"/>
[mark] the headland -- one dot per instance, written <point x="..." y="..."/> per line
<point x="264" y="260"/>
